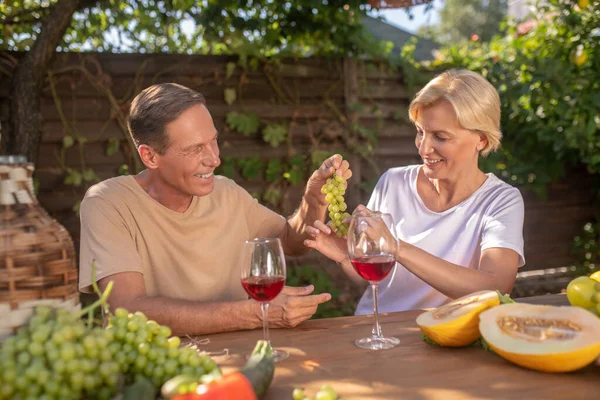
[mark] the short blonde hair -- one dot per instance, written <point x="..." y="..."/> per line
<point x="475" y="102"/>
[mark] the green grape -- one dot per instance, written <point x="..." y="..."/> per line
<point x="173" y="342"/>
<point x="121" y="313"/>
<point x="170" y="366"/>
<point x="153" y="327"/>
<point x="164" y="331"/>
<point x="298" y="394"/>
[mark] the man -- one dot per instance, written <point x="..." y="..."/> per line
<point x="170" y="238"/>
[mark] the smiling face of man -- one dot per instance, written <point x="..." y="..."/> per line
<point x="187" y="165"/>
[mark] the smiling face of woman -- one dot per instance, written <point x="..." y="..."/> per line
<point x="448" y="150"/>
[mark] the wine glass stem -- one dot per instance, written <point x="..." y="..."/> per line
<point x="265" y="317"/>
<point x="377" y="330"/>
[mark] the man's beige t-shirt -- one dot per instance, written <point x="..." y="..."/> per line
<point x="195" y="255"/>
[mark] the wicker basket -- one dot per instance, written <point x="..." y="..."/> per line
<point x="37" y="257"/>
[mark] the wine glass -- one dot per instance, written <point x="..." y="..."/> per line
<point x="263" y="278"/>
<point x="370" y="249"/>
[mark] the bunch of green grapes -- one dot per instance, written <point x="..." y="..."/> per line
<point x="58" y="356"/>
<point x="145" y="349"/>
<point x="334" y="190"/>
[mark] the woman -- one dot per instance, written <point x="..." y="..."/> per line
<point x="459" y="230"/>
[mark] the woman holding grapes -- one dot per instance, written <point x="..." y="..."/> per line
<point x="456" y="229"/>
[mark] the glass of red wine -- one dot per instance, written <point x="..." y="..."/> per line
<point x="263" y="278"/>
<point x="370" y="249"/>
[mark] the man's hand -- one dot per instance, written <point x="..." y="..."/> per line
<point x="294" y="305"/>
<point x="333" y="164"/>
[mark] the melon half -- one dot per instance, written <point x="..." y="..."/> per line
<point x="456" y="324"/>
<point x="544" y="338"/>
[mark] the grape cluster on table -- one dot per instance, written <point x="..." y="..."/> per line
<point x="58" y="356"/>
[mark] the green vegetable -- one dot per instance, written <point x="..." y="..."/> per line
<point x="141" y="389"/>
<point x="260" y="368"/>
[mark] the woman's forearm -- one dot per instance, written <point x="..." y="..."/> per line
<point x="450" y="279"/>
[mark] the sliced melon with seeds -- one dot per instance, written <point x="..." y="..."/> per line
<point x="544" y="338"/>
<point x="456" y="324"/>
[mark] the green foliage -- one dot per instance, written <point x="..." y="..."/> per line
<point x="274" y="134"/>
<point x="550" y="99"/>
<point x="247" y="124"/>
<point x="304" y="275"/>
<point x="460" y="19"/>
<point x="255" y="28"/>
<point x="68" y="141"/>
<point x="317" y="158"/>
<point x="227" y="167"/>
<point x="274" y="170"/>
<point x="112" y="147"/>
<point x="251" y="167"/>
<point x="586" y="249"/>
<point x="272" y="196"/>
<point x="230" y="95"/>
<point x="295" y="174"/>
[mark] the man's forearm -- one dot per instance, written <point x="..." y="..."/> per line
<point x="195" y="318"/>
<point x="310" y="210"/>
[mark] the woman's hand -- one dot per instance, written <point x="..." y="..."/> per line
<point x="325" y="241"/>
<point x="377" y="229"/>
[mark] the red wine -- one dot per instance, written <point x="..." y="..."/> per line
<point x="373" y="268"/>
<point x="263" y="288"/>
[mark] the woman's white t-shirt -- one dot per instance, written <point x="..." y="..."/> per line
<point x="491" y="217"/>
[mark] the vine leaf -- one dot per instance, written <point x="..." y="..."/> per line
<point x="318" y="156"/>
<point x="274" y="170"/>
<point x="247" y="124"/>
<point x="251" y="167"/>
<point x="295" y="174"/>
<point x="230" y="95"/>
<point x="89" y="175"/>
<point x="272" y="196"/>
<point x="112" y="147"/>
<point x="123" y="170"/>
<point x="73" y="177"/>
<point x="68" y="141"/>
<point x="274" y="134"/>
<point x="227" y="168"/>
<point x="230" y="68"/>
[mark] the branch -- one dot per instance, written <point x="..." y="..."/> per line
<point x="16" y="18"/>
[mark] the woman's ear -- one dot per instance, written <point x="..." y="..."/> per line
<point x="483" y="141"/>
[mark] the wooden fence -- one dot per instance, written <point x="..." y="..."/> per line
<point x="315" y="98"/>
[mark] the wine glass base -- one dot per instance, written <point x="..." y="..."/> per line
<point x="377" y="343"/>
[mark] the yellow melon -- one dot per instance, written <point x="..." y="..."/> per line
<point x="456" y="324"/>
<point x="544" y="338"/>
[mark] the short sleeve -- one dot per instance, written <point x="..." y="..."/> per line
<point x="262" y="222"/>
<point x="504" y="225"/>
<point x="105" y="239"/>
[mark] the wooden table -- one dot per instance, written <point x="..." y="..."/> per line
<point x="322" y="352"/>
